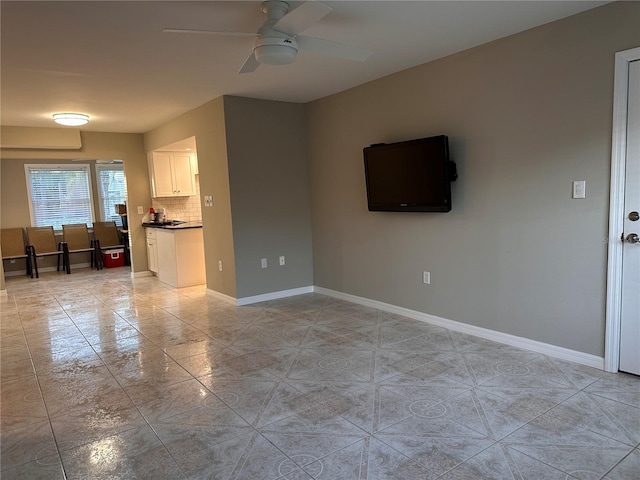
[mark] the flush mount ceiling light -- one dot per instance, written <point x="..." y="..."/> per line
<point x="71" y="119"/>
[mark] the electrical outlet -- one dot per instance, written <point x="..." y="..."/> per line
<point x="140" y="210"/>
<point x="208" y="200"/>
<point x="220" y="265"/>
<point x="282" y="260"/>
<point x="263" y="262"/>
<point x="579" y="189"/>
<point x="426" y="277"/>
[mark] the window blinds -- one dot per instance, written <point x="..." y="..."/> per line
<point x="112" y="191"/>
<point x="60" y="195"/>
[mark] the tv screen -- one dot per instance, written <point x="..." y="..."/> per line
<point x="411" y="176"/>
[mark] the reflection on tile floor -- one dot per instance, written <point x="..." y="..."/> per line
<point x="103" y="376"/>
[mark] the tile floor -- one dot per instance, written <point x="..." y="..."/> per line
<point x="104" y="377"/>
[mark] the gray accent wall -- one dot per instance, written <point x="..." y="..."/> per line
<point x="526" y="115"/>
<point x="270" y="199"/>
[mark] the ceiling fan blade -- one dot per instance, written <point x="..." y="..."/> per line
<point x="302" y="17"/>
<point x="207" y="32"/>
<point x="250" y="64"/>
<point x="332" y="49"/>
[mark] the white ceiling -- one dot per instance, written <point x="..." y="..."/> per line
<point x="111" y="60"/>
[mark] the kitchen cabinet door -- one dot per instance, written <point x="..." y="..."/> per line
<point x="172" y="174"/>
<point x="181" y="257"/>
<point x="183" y="174"/>
<point x="152" y="250"/>
<point x="160" y="171"/>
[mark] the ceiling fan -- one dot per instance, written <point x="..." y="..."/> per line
<point x="278" y="40"/>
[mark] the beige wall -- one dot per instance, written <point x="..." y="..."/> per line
<point x="206" y="123"/>
<point x="525" y="116"/>
<point x="14" y="207"/>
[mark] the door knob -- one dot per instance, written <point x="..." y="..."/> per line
<point x="632" y="238"/>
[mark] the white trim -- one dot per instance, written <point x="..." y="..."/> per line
<point x="265" y="297"/>
<point x="616" y="208"/>
<point x="273" y="295"/>
<point x="221" y="296"/>
<point x="142" y="274"/>
<point x="505" y="338"/>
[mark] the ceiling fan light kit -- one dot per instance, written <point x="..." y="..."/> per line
<point x="71" y="119"/>
<point x="275" y="51"/>
<point x="278" y="40"/>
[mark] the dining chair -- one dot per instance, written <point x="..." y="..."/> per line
<point x="76" y="236"/>
<point x="42" y="241"/>
<point x="107" y="237"/>
<point x="14" y="246"/>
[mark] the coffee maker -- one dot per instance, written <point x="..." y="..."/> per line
<point x="159" y="215"/>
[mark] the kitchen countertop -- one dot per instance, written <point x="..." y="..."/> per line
<point x="173" y="226"/>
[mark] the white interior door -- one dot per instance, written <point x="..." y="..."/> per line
<point x="630" y="303"/>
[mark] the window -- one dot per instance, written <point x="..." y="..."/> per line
<point x="59" y="194"/>
<point x="112" y="190"/>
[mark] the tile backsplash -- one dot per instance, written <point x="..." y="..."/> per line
<point x="181" y="208"/>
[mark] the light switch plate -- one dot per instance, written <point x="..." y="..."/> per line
<point x="208" y="200"/>
<point x="579" y="189"/>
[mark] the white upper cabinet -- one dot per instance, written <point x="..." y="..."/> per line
<point x="172" y="174"/>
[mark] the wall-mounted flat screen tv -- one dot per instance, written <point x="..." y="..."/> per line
<point x="411" y="176"/>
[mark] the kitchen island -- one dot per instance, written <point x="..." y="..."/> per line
<point x="180" y="253"/>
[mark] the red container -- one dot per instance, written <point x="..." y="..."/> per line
<point x="113" y="258"/>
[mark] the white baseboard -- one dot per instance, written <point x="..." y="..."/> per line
<point x="265" y="297"/>
<point x="273" y="295"/>
<point x="221" y="296"/>
<point x="142" y="274"/>
<point x="505" y="338"/>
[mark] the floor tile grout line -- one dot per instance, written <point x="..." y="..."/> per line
<point x="594" y="381"/>
<point x="420" y="463"/>
<point x="44" y="402"/>
<point x="604" y="413"/>
<point x="621" y="460"/>
<point x="333" y="452"/>
<point x="148" y="424"/>
<point x="511" y="462"/>
<point x="607" y="398"/>
<point x="364" y="458"/>
<point x="242" y="460"/>
<point x="124" y="390"/>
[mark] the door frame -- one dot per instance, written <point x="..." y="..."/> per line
<point x="616" y="208"/>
